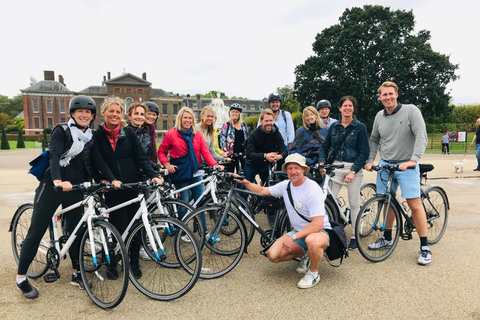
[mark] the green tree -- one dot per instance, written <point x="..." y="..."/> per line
<point x="371" y="45"/>
<point x="20" y="141"/>
<point x="13" y="106"/>
<point x="289" y="101"/>
<point x="5" y="120"/>
<point x="5" y="145"/>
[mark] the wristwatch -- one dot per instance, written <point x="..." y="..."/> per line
<point x="294" y="238"/>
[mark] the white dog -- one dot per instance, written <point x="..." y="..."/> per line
<point x="458" y="167"/>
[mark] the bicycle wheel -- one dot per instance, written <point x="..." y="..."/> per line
<point x="223" y="255"/>
<point x="367" y="190"/>
<point x="19" y="227"/>
<point x="285" y="225"/>
<point x="435" y="203"/>
<point x="331" y="210"/>
<point x="368" y="229"/>
<point x="105" y="272"/>
<point x="176" y="269"/>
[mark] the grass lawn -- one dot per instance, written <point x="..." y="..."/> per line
<point x="435" y="144"/>
<point x="13" y="145"/>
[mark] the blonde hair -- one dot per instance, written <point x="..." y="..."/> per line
<point x="313" y="110"/>
<point x="178" y="119"/>
<point x="387" y="84"/>
<point x="114" y="100"/>
<point x="239" y="118"/>
<point x="211" y="128"/>
<point x="266" y="111"/>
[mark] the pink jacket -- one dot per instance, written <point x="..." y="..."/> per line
<point x="174" y="143"/>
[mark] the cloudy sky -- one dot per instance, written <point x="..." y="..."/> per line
<point x="244" y="48"/>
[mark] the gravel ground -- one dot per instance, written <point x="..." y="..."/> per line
<point x="397" y="288"/>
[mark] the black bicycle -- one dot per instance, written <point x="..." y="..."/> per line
<point x="374" y="214"/>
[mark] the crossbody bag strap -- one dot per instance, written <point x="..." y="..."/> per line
<point x="335" y="151"/>
<point x="291" y="202"/>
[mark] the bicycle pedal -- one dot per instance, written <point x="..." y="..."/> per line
<point x="407" y="236"/>
<point x="50" y="277"/>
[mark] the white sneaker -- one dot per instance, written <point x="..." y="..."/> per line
<point x="308" y="281"/>
<point x="304" y="264"/>
<point x="207" y="236"/>
<point x="425" y="256"/>
<point x="144" y="255"/>
<point x="381" y="243"/>
<point x="185" y="238"/>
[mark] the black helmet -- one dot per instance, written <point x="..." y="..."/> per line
<point x="324" y="104"/>
<point x="237" y="107"/>
<point x="82" y="102"/>
<point x="152" y="106"/>
<point x="274" y="97"/>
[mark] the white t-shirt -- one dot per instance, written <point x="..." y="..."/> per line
<point x="309" y="201"/>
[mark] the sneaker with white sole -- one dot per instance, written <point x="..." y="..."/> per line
<point x="304" y="264"/>
<point x="185" y="238"/>
<point x="353" y="244"/>
<point x="425" y="256"/>
<point x="144" y="255"/>
<point x="381" y="243"/>
<point x="308" y="281"/>
<point x="77" y="281"/>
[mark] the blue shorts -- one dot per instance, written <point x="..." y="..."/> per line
<point x="409" y="181"/>
<point x="302" y="243"/>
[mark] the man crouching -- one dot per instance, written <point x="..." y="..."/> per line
<point x="306" y="211"/>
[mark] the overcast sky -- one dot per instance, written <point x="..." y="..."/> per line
<point x="244" y="48"/>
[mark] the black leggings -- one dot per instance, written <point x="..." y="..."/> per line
<point x="121" y="218"/>
<point x="46" y="203"/>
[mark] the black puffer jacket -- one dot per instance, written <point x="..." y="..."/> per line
<point x="146" y="142"/>
<point x="128" y="161"/>
<point x="259" y="142"/>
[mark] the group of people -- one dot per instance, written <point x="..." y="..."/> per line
<point x="120" y="151"/>
<point x="399" y="132"/>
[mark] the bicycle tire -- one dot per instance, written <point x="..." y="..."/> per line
<point x="435" y="203"/>
<point x="367" y="190"/>
<point x="19" y="227"/>
<point x="331" y="210"/>
<point x="179" y="266"/>
<point x="105" y="287"/>
<point x="221" y="257"/>
<point x="370" y="220"/>
<point x="285" y="225"/>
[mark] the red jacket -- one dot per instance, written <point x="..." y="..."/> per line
<point x="174" y="143"/>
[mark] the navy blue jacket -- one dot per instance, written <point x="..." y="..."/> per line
<point x="355" y="149"/>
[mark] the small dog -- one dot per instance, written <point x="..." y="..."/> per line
<point x="458" y="167"/>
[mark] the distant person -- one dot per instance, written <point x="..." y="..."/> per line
<point x="403" y="145"/>
<point x="476" y="139"/>
<point x="445" y="143"/>
<point x="324" y="107"/>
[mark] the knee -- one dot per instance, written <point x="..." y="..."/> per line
<point x="273" y="257"/>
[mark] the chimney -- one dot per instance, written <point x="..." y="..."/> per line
<point x="108" y="75"/>
<point x="144" y="76"/>
<point x="104" y="79"/>
<point x="49" y="75"/>
<point x="60" y="79"/>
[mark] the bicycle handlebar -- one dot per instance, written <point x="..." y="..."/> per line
<point x="88" y="187"/>
<point x="391" y="167"/>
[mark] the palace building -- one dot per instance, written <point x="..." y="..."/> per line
<point x="45" y="103"/>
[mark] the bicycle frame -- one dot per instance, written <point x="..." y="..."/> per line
<point x="344" y="215"/>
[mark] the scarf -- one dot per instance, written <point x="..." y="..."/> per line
<point x="112" y="135"/>
<point x="79" y="138"/>
<point x="188" y="138"/>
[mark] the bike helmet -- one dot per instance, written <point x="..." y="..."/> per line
<point x="152" y="106"/>
<point x="324" y="104"/>
<point x="83" y="102"/>
<point x="274" y="97"/>
<point x="237" y="107"/>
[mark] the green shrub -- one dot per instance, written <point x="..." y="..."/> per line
<point x="5" y="145"/>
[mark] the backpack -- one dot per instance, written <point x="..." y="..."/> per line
<point x="337" y="247"/>
<point x="40" y="164"/>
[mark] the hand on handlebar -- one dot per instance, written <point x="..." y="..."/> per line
<point x="64" y="185"/>
<point x="407" y="165"/>
<point x="368" y="166"/>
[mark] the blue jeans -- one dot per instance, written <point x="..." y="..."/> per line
<point x="186" y="196"/>
<point x="251" y="170"/>
<point x="477" y="153"/>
